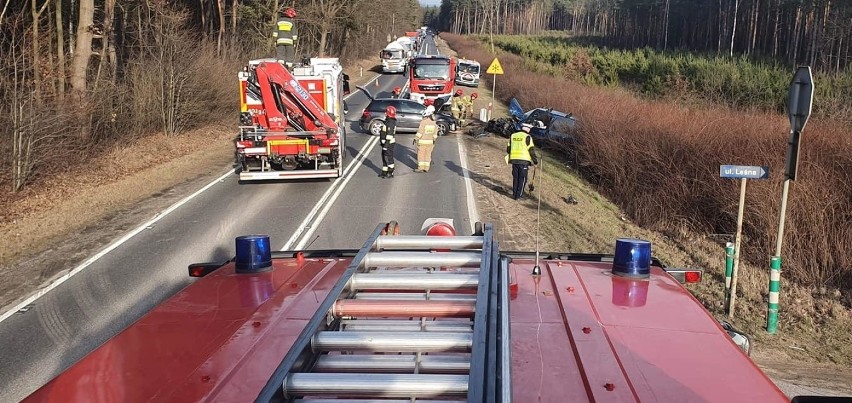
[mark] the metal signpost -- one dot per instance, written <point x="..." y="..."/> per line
<point x="743" y="173"/>
<point x="494" y="69"/>
<point x="799" y="104"/>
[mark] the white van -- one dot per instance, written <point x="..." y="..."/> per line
<point x="467" y="73"/>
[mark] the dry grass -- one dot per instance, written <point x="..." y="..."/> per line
<point x="659" y="161"/>
<point x="815" y="325"/>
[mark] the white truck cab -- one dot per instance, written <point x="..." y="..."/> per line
<point x="468" y="72"/>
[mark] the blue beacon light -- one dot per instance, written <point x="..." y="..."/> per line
<point x="632" y="258"/>
<point x="253" y="254"/>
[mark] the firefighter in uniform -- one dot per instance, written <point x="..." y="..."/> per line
<point x="388" y="141"/>
<point x="521" y="154"/>
<point x="396" y="92"/>
<point x="425" y="139"/>
<point x="286" y="36"/>
<point x="457" y="105"/>
<point x="467" y="106"/>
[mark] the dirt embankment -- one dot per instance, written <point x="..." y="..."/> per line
<point x="574" y="217"/>
<point x="56" y="223"/>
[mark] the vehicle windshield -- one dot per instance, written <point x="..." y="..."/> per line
<point x="439" y="71"/>
<point x="469" y="68"/>
<point x="391" y="54"/>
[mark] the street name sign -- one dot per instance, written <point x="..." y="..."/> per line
<point x="743" y="172"/>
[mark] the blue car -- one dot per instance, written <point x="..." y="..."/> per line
<point x="546" y="123"/>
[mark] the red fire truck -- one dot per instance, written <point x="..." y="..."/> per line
<point x="431" y="77"/>
<point x="423" y="318"/>
<point x="291" y="120"/>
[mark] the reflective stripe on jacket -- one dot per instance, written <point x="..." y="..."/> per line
<point x="519" y="147"/>
<point x="286" y="32"/>
<point x="428" y="131"/>
<point x="457" y="103"/>
<point x="387" y="134"/>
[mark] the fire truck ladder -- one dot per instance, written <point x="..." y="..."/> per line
<point x="413" y="318"/>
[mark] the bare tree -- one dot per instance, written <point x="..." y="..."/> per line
<point x="60" y="49"/>
<point x="83" y="50"/>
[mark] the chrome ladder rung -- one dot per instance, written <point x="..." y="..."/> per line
<point x="415" y="296"/>
<point x="446" y="364"/>
<point x="382" y="325"/>
<point x="407" y="342"/>
<point x="423" y="259"/>
<point x="375" y="385"/>
<point x="402" y="308"/>
<point x="414" y="281"/>
<point x="422" y="242"/>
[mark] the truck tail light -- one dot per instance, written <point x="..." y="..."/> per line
<point x="686" y="276"/>
<point x="203" y="269"/>
<point x="692" y="276"/>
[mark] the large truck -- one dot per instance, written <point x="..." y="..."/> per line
<point x="434" y="316"/>
<point x="291" y="121"/>
<point x="394" y="57"/>
<point x="431" y="77"/>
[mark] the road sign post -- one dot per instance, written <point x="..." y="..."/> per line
<point x="743" y="173"/>
<point x="799" y="105"/>
<point x="494" y="69"/>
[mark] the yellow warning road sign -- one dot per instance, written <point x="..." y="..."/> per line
<point x="495" y="67"/>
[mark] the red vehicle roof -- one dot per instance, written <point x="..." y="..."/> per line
<point x="578" y="334"/>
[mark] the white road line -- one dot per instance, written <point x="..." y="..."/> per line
<point x="339" y="183"/>
<point x="125" y="238"/>
<point x="111" y="247"/>
<point x="318" y="221"/>
<point x="472" y="211"/>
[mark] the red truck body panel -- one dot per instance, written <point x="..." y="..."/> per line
<point x="578" y="334"/>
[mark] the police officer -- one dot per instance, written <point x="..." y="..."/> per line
<point x="286" y="36"/>
<point x="521" y="154"/>
<point x="388" y="141"/>
<point x="425" y="138"/>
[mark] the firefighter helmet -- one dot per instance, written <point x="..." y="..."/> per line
<point x="474" y="96"/>
<point x="397" y="90"/>
<point x="290" y="12"/>
<point x="427" y="102"/>
<point x="390" y="112"/>
<point x="459" y="93"/>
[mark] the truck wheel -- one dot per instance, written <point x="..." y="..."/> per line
<point x="376" y="126"/>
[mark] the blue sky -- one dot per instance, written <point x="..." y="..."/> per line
<point x="430" y="2"/>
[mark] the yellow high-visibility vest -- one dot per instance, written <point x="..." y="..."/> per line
<point x="518" y="148"/>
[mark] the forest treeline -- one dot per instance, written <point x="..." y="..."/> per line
<point x="737" y="82"/>
<point x="77" y="75"/>
<point x="813" y="32"/>
<point x="659" y="161"/>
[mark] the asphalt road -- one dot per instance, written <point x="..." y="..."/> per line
<point x="116" y="289"/>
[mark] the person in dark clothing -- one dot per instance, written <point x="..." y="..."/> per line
<point x="521" y="153"/>
<point x="388" y="142"/>
<point x="285" y="35"/>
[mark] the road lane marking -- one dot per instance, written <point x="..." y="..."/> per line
<point x="41" y="292"/>
<point x="312" y="219"/>
<point x="38" y="294"/>
<point x="472" y="211"/>
<point x="331" y="201"/>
